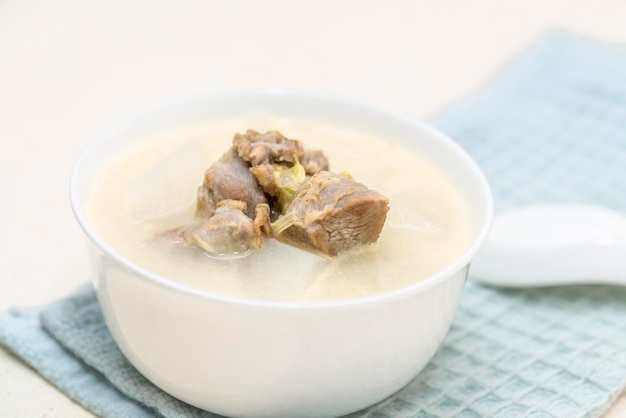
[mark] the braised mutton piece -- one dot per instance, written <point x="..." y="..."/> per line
<point x="228" y="179"/>
<point x="332" y="213"/>
<point x="271" y="155"/>
<point x="229" y="231"/>
<point x="264" y="176"/>
<point x="268" y="148"/>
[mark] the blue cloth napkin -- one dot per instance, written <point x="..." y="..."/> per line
<point x="550" y="127"/>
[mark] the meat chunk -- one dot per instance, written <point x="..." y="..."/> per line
<point x="268" y="176"/>
<point x="280" y="182"/>
<point x="262" y="222"/>
<point x="229" y="232"/>
<point x="271" y="152"/>
<point x="279" y="164"/>
<point x="257" y="168"/>
<point x="332" y="213"/>
<point x="228" y="178"/>
<point x="314" y="160"/>
<point x="264" y="174"/>
<point x="268" y="148"/>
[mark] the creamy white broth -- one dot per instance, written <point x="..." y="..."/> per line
<point x="151" y="190"/>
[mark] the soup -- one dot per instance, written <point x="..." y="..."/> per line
<point x="151" y="190"/>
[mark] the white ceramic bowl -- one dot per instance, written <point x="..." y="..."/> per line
<point x="245" y="358"/>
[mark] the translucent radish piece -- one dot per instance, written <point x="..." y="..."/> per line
<point x="419" y="219"/>
<point x="280" y="271"/>
<point x="170" y="185"/>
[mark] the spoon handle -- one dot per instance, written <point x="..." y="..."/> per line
<point x="549" y="245"/>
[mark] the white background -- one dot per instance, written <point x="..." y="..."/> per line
<point x="70" y="68"/>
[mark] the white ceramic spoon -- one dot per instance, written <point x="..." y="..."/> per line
<point x="546" y="245"/>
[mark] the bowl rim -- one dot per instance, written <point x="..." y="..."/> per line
<point x="417" y="287"/>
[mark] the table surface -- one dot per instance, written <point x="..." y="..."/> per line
<point x="70" y="68"/>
